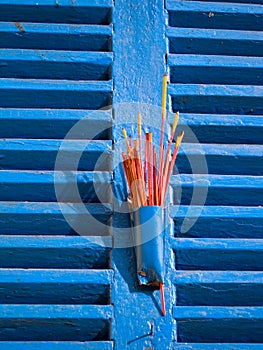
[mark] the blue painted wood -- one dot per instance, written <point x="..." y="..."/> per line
<point x="55" y="276"/>
<point x="55" y="123"/>
<point x="216" y="346"/>
<point x="39" y="312"/>
<point x="215" y="15"/>
<point x="50" y="36"/>
<point x="62" y="11"/>
<point x="216" y="75"/>
<point x="217" y="277"/>
<point x="221" y="159"/>
<point x="62" y="3"/>
<point x="94" y="345"/>
<point x="53" y="286"/>
<point x="39" y="186"/>
<point x="216" y="128"/>
<point x="30" y="154"/>
<point x="38" y="218"/>
<point x="222" y="189"/>
<point x="76" y="252"/>
<point x="214" y="41"/>
<point x="218" y="221"/>
<point x="218" y="99"/>
<point x="210" y="69"/>
<point x="218" y="254"/>
<point x="228" y="324"/>
<point x="139" y="63"/>
<point x="239" y="1"/>
<point x="47" y="283"/>
<point x="71" y="322"/>
<point x="218" y="288"/>
<point x="198" y="312"/>
<point x="23" y="93"/>
<point x="47" y="64"/>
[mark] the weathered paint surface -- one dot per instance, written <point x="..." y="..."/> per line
<point x="55" y="69"/>
<point x="139" y="63"/>
<point x="55" y="64"/>
<point x="215" y="61"/>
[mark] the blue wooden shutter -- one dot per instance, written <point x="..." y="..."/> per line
<point x="216" y="73"/>
<point x="55" y="68"/>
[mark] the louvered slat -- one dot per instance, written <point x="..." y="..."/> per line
<point x="216" y="67"/>
<point x="220" y="128"/>
<point x="222" y="189"/>
<point x="94" y="345"/>
<point x="218" y="254"/>
<point x="55" y="71"/>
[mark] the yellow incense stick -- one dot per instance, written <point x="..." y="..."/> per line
<point x="164" y="97"/>
<point x="171" y="165"/>
<point x="125" y="138"/>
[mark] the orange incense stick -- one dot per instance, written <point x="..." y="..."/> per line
<point x="140" y="182"/>
<point x="150" y="177"/>
<point x="127" y="173"/>
<point x="165" y="175"/>
<point x="140" y="135"/>
<point x="155" y="184"/>
<point x="168" y="154"/>
<point x="162" y="299"/>
<point x="145" y="159"/>
<point x="160" y="175"/>
<point x="171" y="165"/>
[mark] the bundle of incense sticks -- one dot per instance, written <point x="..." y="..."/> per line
<point x="148" y="177"/>
<point x="148" y="181"/>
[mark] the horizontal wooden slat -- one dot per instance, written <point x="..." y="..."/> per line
<point x="234" y="1"/>
<point x="215" y="41"/>
<point x="217" y="244"/>
<point x="218" y="254"/>
<point x="71" y="322"/>
<point x="217" y="189"/>
<point x="45" y="345"/>
<point x="220" y="159"/>
<point x="53" y="286"/>
<point x="226" y="99"/>
<point x="76" y="252"/>
<point x="216" y="277"/>
<point x="55" y="242"/>
<point x="216" y="128"/>
<point x="210" y="69"/>
<point x="39" y="186"/>
<point x="41" y="154"/>
<point x="46" y="218"/>
<point x="62" y="3"/>
<point x="55" y="276"/>
<point x="246" y="331"/>
<point x="218" y="221"/>
<point x="55" y="123"/>
<point x="50" y="64"/>
<point x="94" y="312"/>
<point x="201" y="312"/>
<point x="62" y="11"/>
<point x="215" y="15"/>
<point x="54" y="93"/>
<point x="218" y="288"/>
<point x="50" y="36"/>
<point x="217" y="346"/>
